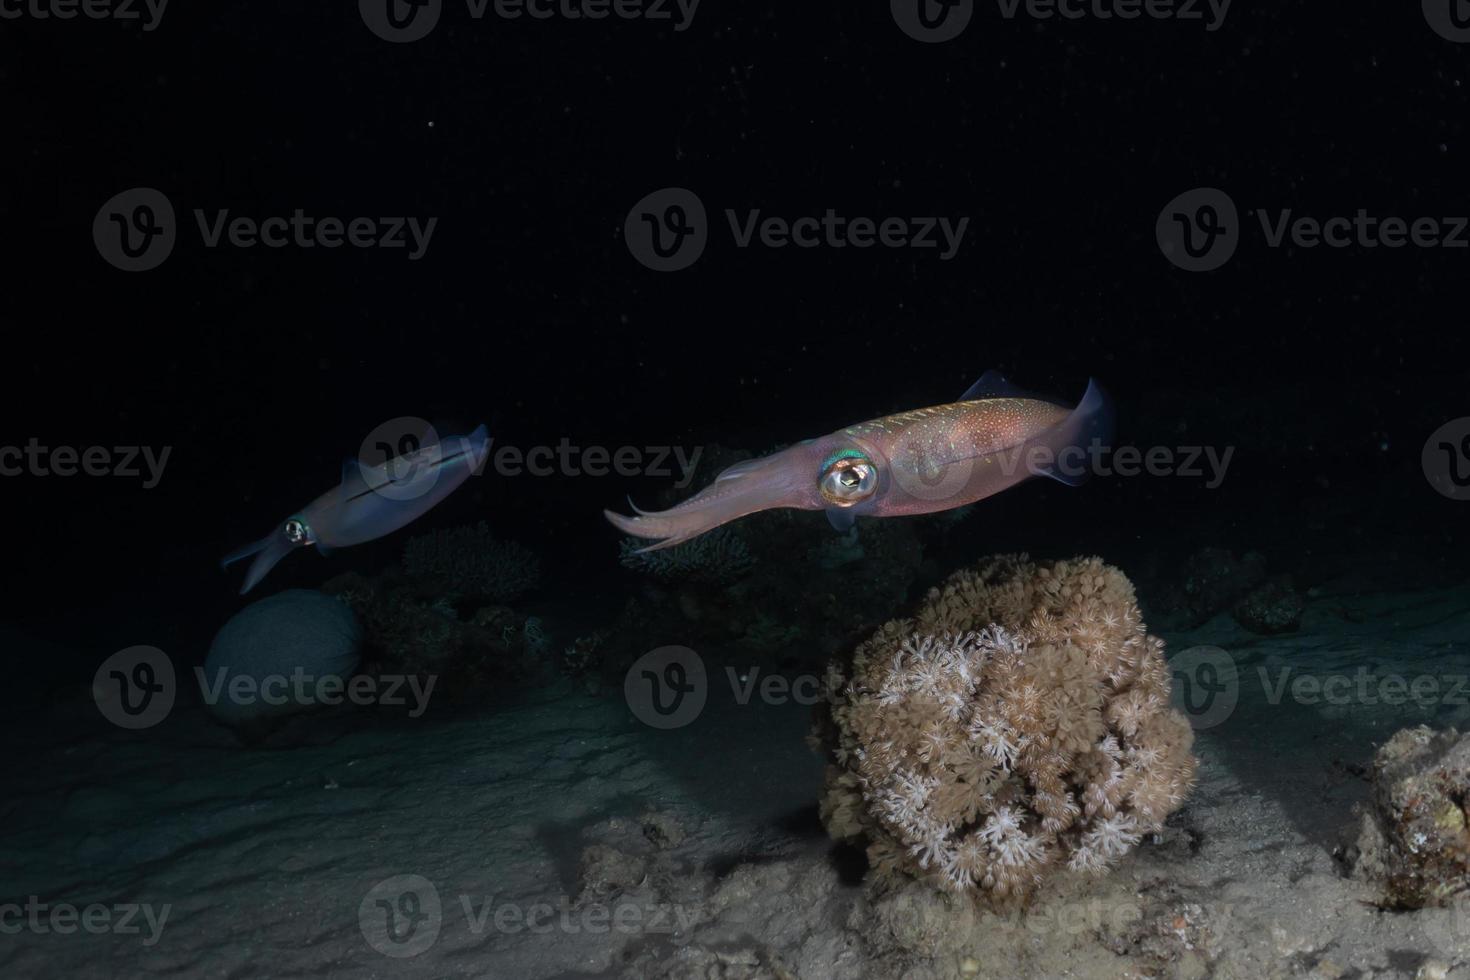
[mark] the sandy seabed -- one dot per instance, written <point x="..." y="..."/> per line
<point x="557" y="836"/>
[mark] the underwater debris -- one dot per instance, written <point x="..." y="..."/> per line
<point x="1211" y="581"/>
<point x="1019" y="723"/>
<point x="663" y="828"/>
<point x="1414" y="839"/>
<point x="1274" y="607"/>
<point x="584" y="654"/>
<point x="606" y="872"/>
<point x="717" y="558"/>
<point x="470" y="561"/>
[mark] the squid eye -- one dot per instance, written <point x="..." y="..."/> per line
<point x="849" y="480"/>
<point x="296" y="531"/>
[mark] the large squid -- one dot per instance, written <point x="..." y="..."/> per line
<point x="916" y="462"/>
<point x="371" y="501"/>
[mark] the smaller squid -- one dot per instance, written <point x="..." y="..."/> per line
<point x="916" y="462"/>
<point x="371" y="501"/>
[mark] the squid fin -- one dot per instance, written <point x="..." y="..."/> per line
<point x="1091" y="421"/>
<point x="992" y="384"/>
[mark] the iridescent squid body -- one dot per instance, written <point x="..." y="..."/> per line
<point x="372" y="500"/>
<point x="915" y="462"/>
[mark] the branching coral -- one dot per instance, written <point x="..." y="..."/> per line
<point x="1017" y="724"/>
<point x="470" y="561"/>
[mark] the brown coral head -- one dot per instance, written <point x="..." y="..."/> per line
<point x="1020" y="723"/>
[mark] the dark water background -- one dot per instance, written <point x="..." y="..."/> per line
<point x="1061" y="141"/>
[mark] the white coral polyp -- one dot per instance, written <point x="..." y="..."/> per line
<point x="998" y="741"/>
<point x="1106" y="841"/>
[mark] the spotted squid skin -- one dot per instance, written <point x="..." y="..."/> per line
<point x="938" y="435"/>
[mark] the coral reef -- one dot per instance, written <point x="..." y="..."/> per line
<point x="470" y="562"/>
<point x="1018" y="723"/>
<point x="1414" y="839"/>
<point x="717" y="558"/>
<point x="474" y="649"/>
<point x="1273" y="607"/>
